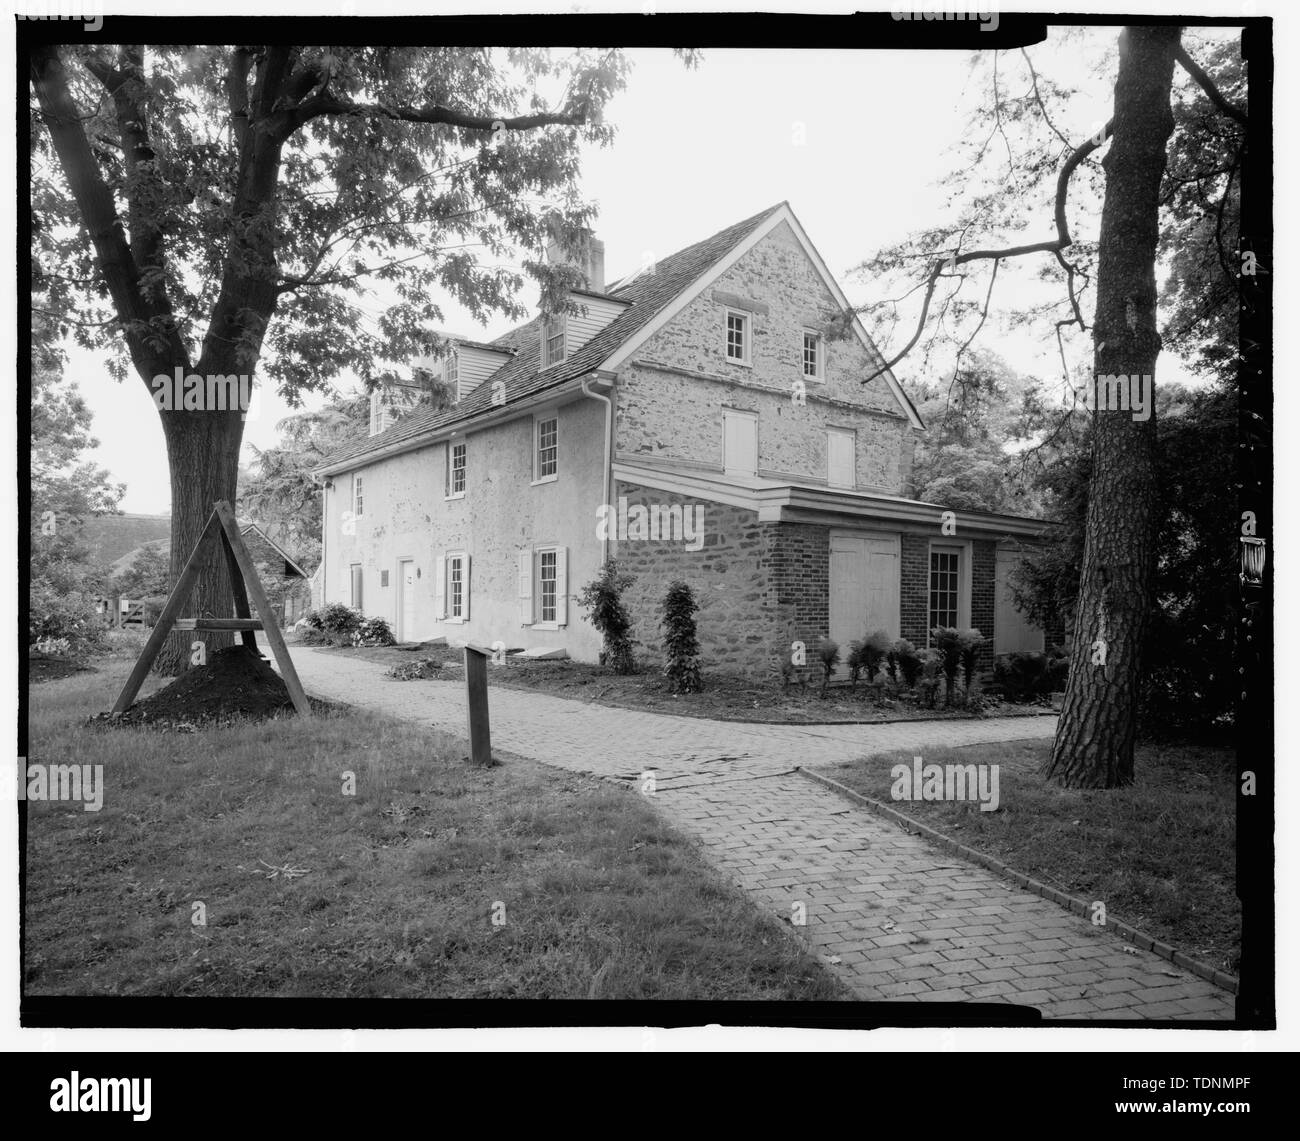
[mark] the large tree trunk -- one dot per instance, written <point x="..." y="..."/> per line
<point x="1095" y="738"/>
<point x="203" y="457"/>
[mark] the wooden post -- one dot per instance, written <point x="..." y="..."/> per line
<point x="170" y="612"/>
<point x="244" y="561"/>
<point x="480" y="738"/>
<point x="240" y="592"/>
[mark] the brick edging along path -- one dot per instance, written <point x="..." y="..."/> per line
<point x="895" y="920"/>
<point x="1074" y="903"/>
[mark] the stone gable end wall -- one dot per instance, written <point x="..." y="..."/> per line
<point x="674" y="412"/>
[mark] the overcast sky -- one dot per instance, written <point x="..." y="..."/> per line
<point x="857" y="142"/>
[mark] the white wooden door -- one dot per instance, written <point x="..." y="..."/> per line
<point x="840" y="459"/>
<point x="864" y="589"/>
<point x="1012" y="631"/>
<point x="740" y="443"/>
<point x="406" y="600"/>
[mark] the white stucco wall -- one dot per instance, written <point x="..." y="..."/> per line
<point x="406" y="515"/>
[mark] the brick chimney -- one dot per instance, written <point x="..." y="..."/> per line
<point x="590" y="259"/>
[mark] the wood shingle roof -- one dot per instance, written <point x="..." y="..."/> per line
<point x="649" y="294"/>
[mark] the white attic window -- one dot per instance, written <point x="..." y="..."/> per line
<point x="553" y="340"/>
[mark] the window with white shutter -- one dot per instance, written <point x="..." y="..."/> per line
<point x="526" y="588"/>
<point x="551" y="585"/>
<point x="561" y="586"/>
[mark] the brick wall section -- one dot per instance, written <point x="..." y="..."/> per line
<point x="801" y="564"/>
<point x="983" y="596"/>
<point x="914" y="597"/>
<point x="915" y="594"/>
<point x="760" y="586"/>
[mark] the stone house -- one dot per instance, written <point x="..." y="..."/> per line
<point x="705" y="418"/>
<point x="286" y="584"/>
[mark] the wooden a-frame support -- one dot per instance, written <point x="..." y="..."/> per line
<point x="221" y="527"/>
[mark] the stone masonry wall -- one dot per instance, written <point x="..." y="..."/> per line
<point x="760" y="586"/>
<point x="671" y="397"/>
<point x="729" y="575"/>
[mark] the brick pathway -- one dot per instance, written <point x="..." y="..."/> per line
<point x="904" y="919"/>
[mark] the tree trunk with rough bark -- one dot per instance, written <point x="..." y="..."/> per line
<point x="1098" y="726"/>
<point x="203" y="457"/>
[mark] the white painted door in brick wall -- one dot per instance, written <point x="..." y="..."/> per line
<point x="1012" y="631"/>
<point x="864" y="588"/>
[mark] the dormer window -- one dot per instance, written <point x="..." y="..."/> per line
<point x="553" y="341"/>
<point x="450" y="370"/>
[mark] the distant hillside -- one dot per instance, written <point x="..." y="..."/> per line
<point x="110" y="537"/>
<point x="124" y="564"/>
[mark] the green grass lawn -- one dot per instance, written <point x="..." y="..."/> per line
<point x="399" y="881"/>
<point x="1161" y="855"/>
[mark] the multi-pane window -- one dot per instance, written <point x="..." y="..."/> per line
<point x="945" y="579"/>
<point x="737" y="337"/>
<point x="548" y="433"/>
<point x="812" y="355"/>
<point x="456" y="586"/>
<point x="456" y="470"/>
<point x="547" y="563"/>
<point x="358" y="500"/>
<point x="553" y="348"/>
<point x="450" y="371"/>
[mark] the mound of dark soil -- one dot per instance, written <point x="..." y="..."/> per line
<point x="237" y="682"/>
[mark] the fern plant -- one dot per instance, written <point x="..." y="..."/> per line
<point x="970" y="642"/>
<point x="828" y="653"/>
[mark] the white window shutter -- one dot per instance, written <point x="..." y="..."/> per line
<point x="440" y="587"/>
<point x="526" y="587"/>
<point x="464" y="590"/>
<point x="561" y="586"/>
